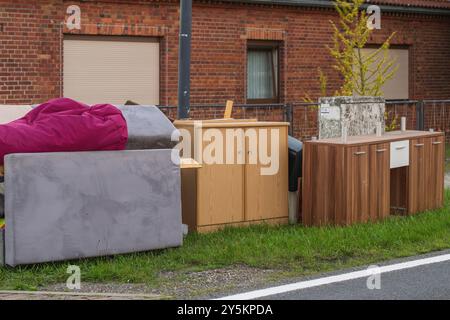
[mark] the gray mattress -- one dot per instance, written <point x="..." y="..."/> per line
<point x="84" y="204"/>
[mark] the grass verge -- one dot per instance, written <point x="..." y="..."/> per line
<point x="295" y="250"/>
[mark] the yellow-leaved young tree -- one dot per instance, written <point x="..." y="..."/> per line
<point x="363" y="74"/>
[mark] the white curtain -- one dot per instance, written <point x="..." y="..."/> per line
<point x="261" y="71"/>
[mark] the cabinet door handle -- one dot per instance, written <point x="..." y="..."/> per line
<point x="381" y="150"/>
<point x="359" y="153"/>
<point x="437" y="142"/>
<point x="400" y="148"/>
<point x="419" y="144"/>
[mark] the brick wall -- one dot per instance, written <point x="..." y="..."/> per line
<point x="29" y="51"/>
<point x="31" y="33"/>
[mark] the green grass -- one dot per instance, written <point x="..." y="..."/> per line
<point x="295" y="250"/>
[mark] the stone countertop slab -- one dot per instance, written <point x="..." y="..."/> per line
<point x="371" y="139"/>
<point x="362" y="114"/>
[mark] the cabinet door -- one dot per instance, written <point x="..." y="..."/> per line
<point x="379" y="181"/>
<point x="435" y="173"/>
<point x="266" y="195"/>
<point x="357" y="195"/>
<point x="417" y="198"/>
<point x="220" y="188"/>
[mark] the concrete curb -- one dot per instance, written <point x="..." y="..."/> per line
<point x="125" y="296"/>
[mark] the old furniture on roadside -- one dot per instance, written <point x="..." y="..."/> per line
<point x="68" y="205"/>
<point x="231" y="194"/>
<point x="369" y="177"/>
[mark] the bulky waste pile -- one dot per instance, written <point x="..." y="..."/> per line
<point x="62" y="125"/>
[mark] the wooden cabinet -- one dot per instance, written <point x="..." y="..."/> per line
<point x="236" y="192"/>
<point x="323" y="185"/>
<point x="220" y="189"/>
<point x="426" y="174"/>
<point x="417" y="195"/>
<point x="379" y="181"/>
<point x="221" y="192"/>
<point x="265" y="197"/>
<point x="435" y="172"/>
<point x="345" y="183"/>
<point x="357" y="193"/>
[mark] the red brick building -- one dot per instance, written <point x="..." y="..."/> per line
<point x="282" y="42"/>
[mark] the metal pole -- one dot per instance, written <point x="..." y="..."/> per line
<point x="184" y="59"/>
<point x="420" y="115"/>
<point x="289" y="117"/>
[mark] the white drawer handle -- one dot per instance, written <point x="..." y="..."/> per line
<point x="437" y="142"/>
<point x="359" y="153"/>
<point x="381" y="150"/>
<point x="419" y="145"/>
<point x="400" y="148"/>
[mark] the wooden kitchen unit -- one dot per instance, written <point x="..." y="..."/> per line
<point x="234" y="194"/>
<point x="369" y="177"/>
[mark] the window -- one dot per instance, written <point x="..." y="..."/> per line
<point x="262" y="73"/>
<point x="397" y="87"/>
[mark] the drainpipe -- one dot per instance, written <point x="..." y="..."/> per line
<point x="184" y="59"/>
<point x="420" y="115"/>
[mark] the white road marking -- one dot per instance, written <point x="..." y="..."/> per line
<point x="334" y="279"/>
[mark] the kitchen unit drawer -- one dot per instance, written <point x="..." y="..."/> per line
<point x="399" y="154"/>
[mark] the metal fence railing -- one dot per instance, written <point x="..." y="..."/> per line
<point x="304" y="119"/>
<point x="263" y="112"/>
<point x="436" y="115"/>
<point x="420" y="115"/>
<point x="303" y="116"/>
<point x="410" y="109"/>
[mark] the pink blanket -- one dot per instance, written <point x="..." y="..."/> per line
<point x="65" y="125"/>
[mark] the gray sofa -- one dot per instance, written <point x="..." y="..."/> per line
<point x="71" y="205"/>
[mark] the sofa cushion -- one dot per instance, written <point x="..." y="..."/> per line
<point x="148" y="128"/>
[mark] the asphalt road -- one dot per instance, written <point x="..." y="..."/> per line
<point x="425" y="282"/>
<point x="430" y="281"/>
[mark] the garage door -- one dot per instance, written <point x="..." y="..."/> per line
<point x="111" y="69"/>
